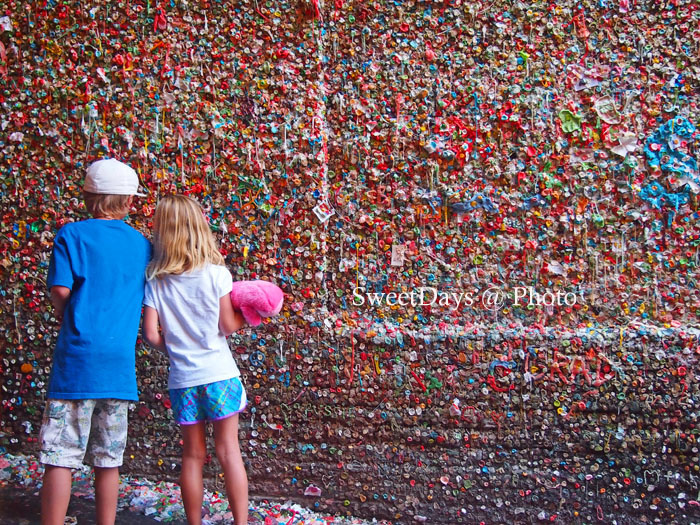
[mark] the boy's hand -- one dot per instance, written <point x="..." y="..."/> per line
<point x="59" y="299"/>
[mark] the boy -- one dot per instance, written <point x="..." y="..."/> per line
<point x="96" y="278"/>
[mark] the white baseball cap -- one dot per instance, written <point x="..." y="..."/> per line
<point x="111" y="177"/>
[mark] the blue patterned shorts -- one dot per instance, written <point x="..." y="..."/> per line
<point x="208" y="402"/>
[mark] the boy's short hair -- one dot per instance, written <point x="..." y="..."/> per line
<point x="116" y="206"/>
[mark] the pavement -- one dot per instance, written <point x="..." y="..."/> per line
<point x="20" y="506"/>
<point x="141" y="501"/>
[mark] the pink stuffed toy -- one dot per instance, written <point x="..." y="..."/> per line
<point x="256" y="299"/>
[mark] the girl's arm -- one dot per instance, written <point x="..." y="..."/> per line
<point x="150" y="329"/>
<point x="230" y="320"/>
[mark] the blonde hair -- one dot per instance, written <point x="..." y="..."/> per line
<point x="99" y="205"/>
<point x="182" y="240"/>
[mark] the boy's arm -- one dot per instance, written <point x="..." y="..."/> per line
<point x="59" y="299"/>
<point x="150" y="329"/>
<point x="230" y="320"/>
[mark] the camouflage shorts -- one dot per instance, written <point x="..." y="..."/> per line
<point x="92" y="431"/>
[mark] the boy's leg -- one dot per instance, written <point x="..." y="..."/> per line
<point x="106" y="494"/>
<point x="55" y="494"/>
<point x="229" y="454"/>
<point x="193" y="456"/>
<point x="105" y="452"/>
<point x="64" y="430"/>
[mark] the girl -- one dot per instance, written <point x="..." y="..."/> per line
<point x="187" y="294"/>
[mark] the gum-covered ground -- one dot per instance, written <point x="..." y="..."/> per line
<point x="141" y="501"/>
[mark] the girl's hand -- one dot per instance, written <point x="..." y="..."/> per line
<point x="230" y="319"/>
<point x="150" y="330"/>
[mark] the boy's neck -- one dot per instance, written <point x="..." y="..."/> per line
<point x="107" y="218"/>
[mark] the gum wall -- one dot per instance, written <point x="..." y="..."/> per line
<point x="525" y="173"/>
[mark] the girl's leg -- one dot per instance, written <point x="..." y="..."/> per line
<point x="193" y="455"/>
<point x="229" y="454"/>
<point x="106" y="494"/>
<point x="55" y="494"/>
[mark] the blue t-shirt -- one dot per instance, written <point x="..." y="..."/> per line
<point x="103" y="263"/>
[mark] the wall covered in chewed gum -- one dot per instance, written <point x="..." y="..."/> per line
<point x="484" y="216"/>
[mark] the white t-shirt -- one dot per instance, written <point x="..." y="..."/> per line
<point x="188" y="312"/>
